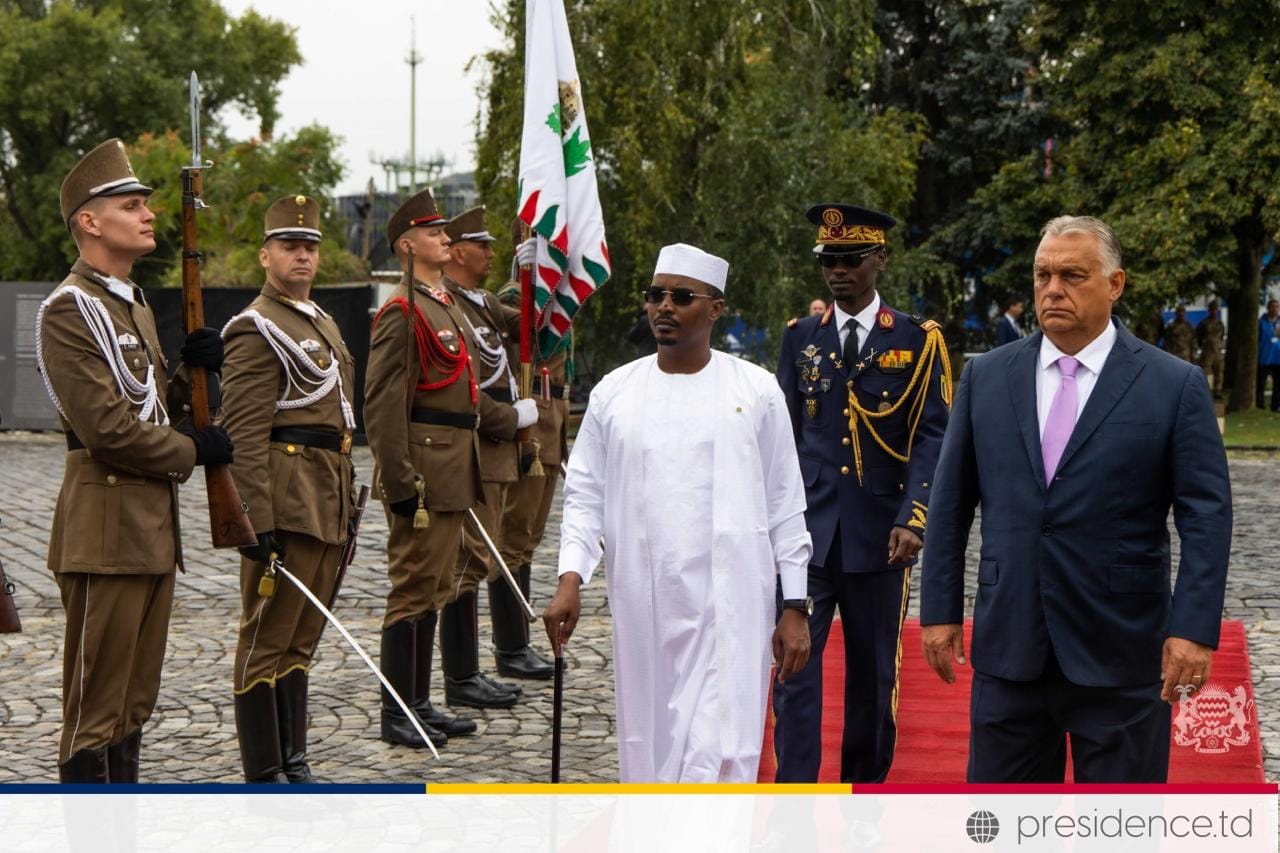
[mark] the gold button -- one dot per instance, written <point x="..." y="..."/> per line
<point x="740" y="408"/>
<point x="846" y="413"/>
<point x="845" y="441"/>
<point x="321" y="362"/>
<point x="290" y="448"/>
<point x="426" y="441"/>
<point x="831" y="356"/>
<point x="884" y="393"/>
<point x="111" y="479"/>
<point x="844" y="469"/>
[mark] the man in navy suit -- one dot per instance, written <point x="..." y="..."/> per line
<point x="868" y="389"/>
<point x="1007" y="328"/>
<point x="1077" y="441"/>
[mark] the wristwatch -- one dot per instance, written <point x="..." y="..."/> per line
<point x="804" y="605"/>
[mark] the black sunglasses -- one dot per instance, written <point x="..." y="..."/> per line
<point x="681" y="296"/>
<point x="850" y="261"/>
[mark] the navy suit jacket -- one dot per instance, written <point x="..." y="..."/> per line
<point x="892" y="492"/>
<point x="1005" y="333"/>
<point x="1081" y="568"/>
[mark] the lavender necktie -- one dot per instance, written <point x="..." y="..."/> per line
<point x="1061" y="420"/>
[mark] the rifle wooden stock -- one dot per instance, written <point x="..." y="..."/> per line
<point x="228" y="515"/>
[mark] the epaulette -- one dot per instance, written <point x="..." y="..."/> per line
<point x="927" y="325"/>
<point x="792" y="322"/>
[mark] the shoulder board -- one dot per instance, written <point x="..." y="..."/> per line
<point x="927" y="325"/>
<point x="791" y="323"/>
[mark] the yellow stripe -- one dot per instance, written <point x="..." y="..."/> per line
<point x="271" y="679"/>
<point x="602" y="788"/>
<point x="897" y="660"/>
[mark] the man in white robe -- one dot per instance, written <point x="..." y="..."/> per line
<point x="686" y="464"/>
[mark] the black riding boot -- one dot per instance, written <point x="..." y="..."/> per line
<point x="291" y="711"/>
<point x="399" y="651"/>
<point x="514" y="656"/>
<point x="122" y="758"/>
<point x="85" y="766"/>
<point x="259" y="735"/>
<point x="460" y="658"/>
<point x="422" y="692"/>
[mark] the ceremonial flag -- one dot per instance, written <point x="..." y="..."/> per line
<point x="558" y="195"/>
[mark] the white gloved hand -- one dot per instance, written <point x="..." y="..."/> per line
<point x="526" y="413"/>
<point x="527" y="252"/>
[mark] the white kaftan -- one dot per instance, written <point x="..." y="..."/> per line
<point x="694" y="482"/>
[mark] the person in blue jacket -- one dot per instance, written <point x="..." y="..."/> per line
<point x="1269" y="354"/>
<point x="868" y="389"/>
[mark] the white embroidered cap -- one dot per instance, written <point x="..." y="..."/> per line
<point x="690" y="261"/>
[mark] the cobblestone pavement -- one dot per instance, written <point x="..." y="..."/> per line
<point x="191" y="735"/>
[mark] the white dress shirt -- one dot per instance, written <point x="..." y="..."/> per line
<point x="1049" y="377"/>
<point x="865" y="319"/>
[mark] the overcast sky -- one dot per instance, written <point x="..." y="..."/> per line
<point x="355" y="81"/>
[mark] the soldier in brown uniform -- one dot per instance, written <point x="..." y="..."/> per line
<point x="1209" y="335"/>
<point x="1180" y="337"/>
<point x="524" y="517"/>
<point x="488" y="327"/>
<point x="286" y="385"/>
<point x="421" y="410"/>
<point x="115" y="541"/>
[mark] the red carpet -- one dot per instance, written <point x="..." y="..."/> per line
<point x="1209" y="746"/>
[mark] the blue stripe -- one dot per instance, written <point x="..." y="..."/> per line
<point x="210" y="788"/>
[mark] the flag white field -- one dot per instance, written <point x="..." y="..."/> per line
<point x="559" y="199"/>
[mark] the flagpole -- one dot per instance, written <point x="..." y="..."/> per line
<point x="527" y="317"/>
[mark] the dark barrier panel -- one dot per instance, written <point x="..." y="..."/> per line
<point x="347" y="304"/>
<point x="24" y="403"/>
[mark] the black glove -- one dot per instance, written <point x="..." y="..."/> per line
<point x="405" y="508"/>
<point x="213" y="446"/>
<point x="203" y="348"/>
<point x="267" y="545"/>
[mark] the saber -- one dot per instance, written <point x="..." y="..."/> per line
<point x="349" y="549"/>
<point x="333" y="620"/>
<point x="502" y="565"/>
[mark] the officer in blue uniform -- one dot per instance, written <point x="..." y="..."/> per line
<point x="869" y="390"/>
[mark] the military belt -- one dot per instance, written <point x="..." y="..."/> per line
<point x="557" y="391"/>
<point x="323" y="439"/>
<point x="461" y="420"/>
<point x="501" y="395"/>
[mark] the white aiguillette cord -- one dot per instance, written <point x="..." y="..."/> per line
<point x="297" y="364"/>
<point x="494" y="358"/>
<point x="98" y="319"/>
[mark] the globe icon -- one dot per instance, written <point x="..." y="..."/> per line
<point x="982" y="827"/>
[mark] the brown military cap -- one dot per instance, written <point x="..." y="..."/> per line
<point x="469" y="225"/>
<point x="418" y="210"/>
<point x="294" y="217"/>
<point x="102" y="172"/>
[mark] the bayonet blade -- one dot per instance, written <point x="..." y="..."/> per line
<point x="194" y="85"/>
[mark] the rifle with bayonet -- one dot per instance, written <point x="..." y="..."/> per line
<point x="228" y="515"/>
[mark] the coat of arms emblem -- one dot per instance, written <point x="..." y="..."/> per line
<point x="1213" y="720"/>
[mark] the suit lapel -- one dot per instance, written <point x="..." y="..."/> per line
<point x="1021" y="375"/>
<point x="1118" y="373"/>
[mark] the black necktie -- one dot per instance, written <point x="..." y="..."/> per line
<point x="850" y="344"/>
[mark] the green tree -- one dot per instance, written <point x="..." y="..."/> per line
<point x="963" y="68"/>
<point x="1174" y="107"/>
<point x="73" y="73"/>
<point x="718" y="126"/>
<point x="245" y="179"/>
